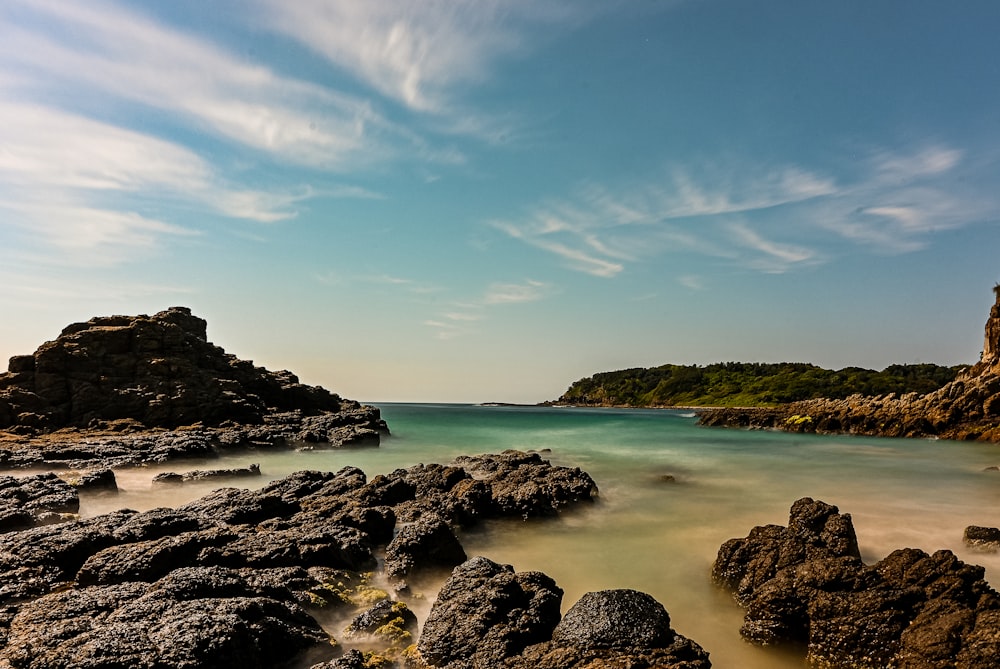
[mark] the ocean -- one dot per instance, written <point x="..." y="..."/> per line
<point x="671" y="492"/>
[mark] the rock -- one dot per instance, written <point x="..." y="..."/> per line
<point x="204" y="474"/>
<point x="486" y="613"/>
<point x="391" y="621"/>
<point x="191" y="618"/>
<point x="423" y="545"/>
<point x="983" y="538"/>
<point x="243" y="567"/>
<point x="35" y="500"/>
<point x="524" y="484"/>
<point x="97" y="480"/>
<point x="614" y="628"/>
<point x="805" y="584"/>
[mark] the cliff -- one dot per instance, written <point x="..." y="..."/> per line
<point x="155" y="371"/>
<point x="966" y="408"/>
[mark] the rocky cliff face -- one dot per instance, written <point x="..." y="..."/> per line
<point x="158" y="371"/>
<point x="966" y="408"/>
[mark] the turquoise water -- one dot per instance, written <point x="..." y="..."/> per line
<point x="658" y="536"/>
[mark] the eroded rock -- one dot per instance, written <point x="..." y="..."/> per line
<point x="806" y="584"/>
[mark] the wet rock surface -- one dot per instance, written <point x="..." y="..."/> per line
<point x="967" y="408"/>
<point x="805" y="583"/>
<point x="126" y="390"/>
<point x="240" y="577"/>
<point x="30" y="501"/>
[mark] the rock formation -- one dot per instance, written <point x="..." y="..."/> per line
<point x="240" y="577"/>
<point x="805" y="584"/>
<point x="129" y="374"/>
<point x="966" y="408"/>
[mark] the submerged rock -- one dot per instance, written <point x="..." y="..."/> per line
<point x="806" y="584"/>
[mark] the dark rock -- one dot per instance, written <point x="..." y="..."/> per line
<point x="204" y="474"/>
<point x="486" y="613"/>
<point x="983" y="538"/>
<point x="120" y="374"/>
<point x="352" y="659"/>
<point x="805" y="584"/>
<point x="241" y="506"/>
<point x="614" y="628"/>
<point x="192" y="618"/>
<point x="524" y="484"/>
<point x="97" y="480"/>
<point x="35" y="500"/>
<point x="386" y="618"/>
<point x="422" y="545"/>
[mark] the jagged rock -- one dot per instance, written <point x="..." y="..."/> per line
<point x="204" y="474"/>
<point x="486" y="613"/>
<point x="982" y="538"/>
<point x="97" y="480"/>
<point x="966" y="408"/>
<point x="256" y="556"/>
<point x="806" y="584"/>
<point x="614" y="628"/>
<point x="524" y="484"/>
<point x="422" y="545"/>
<point x="192" y="618"/>
<point x="35" y="500"/>
<point x="392" y="621"/>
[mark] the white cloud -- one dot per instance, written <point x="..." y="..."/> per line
<point x="127" y="55"/>
<point x="774" y="257"/>
<point x="415" y="52"/>
<point x="600" y="232"/>
<point x="512" y="293"/>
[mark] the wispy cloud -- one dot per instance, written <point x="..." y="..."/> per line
<point x="460" y="319"/>
<point x="600" y="232"/>
<point x="512" y="293"/>
<point x="417" y="53"/>
<point x="127" y="55"/>
<point x="768" y="219"/>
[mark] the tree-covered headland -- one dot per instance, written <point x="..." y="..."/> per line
<point x="749" y="384"/>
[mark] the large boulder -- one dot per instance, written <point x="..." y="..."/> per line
<point x="486" y="613"/>
<point x="614" y="628"/>
<point x="805" y="584"/>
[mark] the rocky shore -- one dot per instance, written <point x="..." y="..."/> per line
<point x="967" y="408"/>
<point x="804" y="584"/>
<point x="117" y="391"/>
<point x="319" y="569"/>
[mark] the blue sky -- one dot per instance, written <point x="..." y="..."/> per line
<point x="484" y="201"/>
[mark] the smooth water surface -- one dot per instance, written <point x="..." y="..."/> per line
<point x="655" y="535"/>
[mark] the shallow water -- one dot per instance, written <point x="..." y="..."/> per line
<point x="649" y="534"/>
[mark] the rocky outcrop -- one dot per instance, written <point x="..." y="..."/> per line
<point x="805" y="584"/>
<point x="966" y="408"/>
<point x="488" y="615"/>
<point x="149" y="388"/>
<point x="248" y="568"/>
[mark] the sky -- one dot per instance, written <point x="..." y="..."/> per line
<point x="486" y="200"/>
